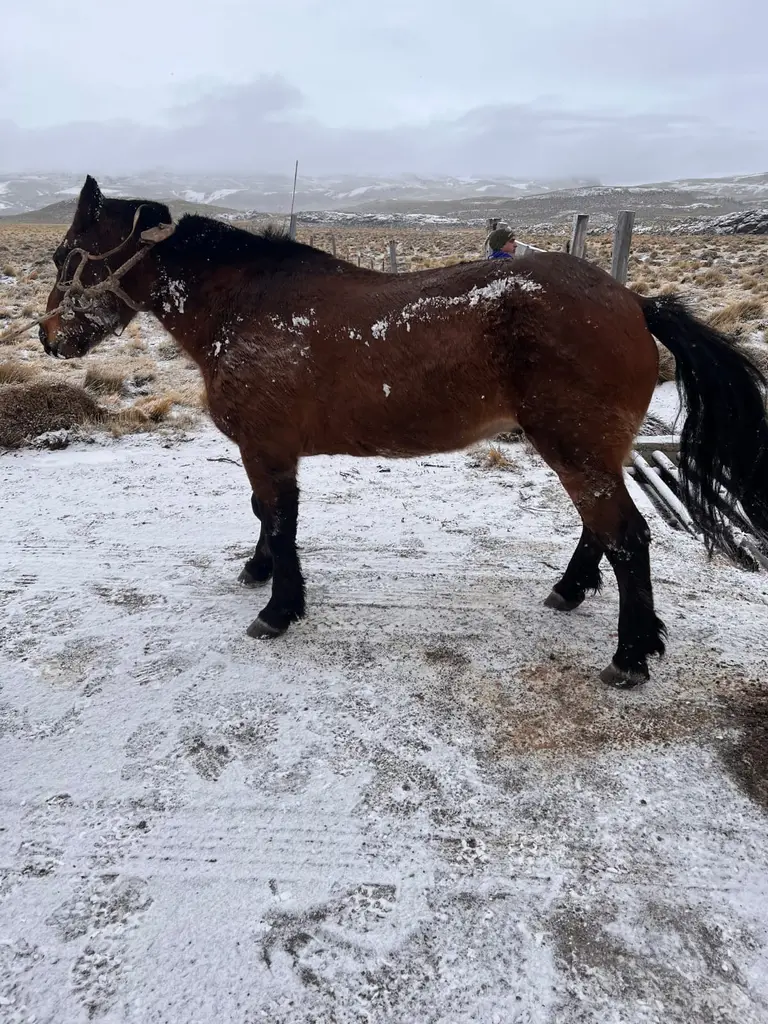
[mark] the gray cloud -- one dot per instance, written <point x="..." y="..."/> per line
<point x="664" y="89"/>
<point x="263" y="126"/>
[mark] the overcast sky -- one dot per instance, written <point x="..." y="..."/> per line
<point x="625" y="92"/>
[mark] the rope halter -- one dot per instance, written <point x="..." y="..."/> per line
<point x="77" y="298"/>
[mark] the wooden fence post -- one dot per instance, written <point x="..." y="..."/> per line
<point x="393" y="256"/>
<point x="579" y="234"/>
<point x="312" y="241"/>
<point x="333" y="244"/>
<point x="358" y="259"/>
<point x="622" y="240"/>
<point x="490" y="225"/>
<point x="292" y="228"/>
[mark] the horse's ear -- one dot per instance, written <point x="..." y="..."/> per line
<point x="88" y="204"/>
<point x="158" y="234"/>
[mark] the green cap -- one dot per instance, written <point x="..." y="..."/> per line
<point x="499" y="238"/>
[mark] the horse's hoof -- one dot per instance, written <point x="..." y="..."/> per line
<point x="622" y="678"/>
<point x="559" y="603"/>
<point x="247" y="579"/>
<point x="261" y="630"/>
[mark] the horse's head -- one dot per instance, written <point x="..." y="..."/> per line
<point x="92" y="294"/>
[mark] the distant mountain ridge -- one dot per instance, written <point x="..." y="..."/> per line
<point x="25" y="193"/>
<point x="406" y="200"/>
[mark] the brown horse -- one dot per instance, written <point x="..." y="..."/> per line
<point x="304" y="354"/>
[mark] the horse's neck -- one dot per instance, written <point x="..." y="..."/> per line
<point x="177" y="298"/>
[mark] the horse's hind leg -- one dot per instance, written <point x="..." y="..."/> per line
<point x="258" y="569"/>
<point x="641" y="632"/>
<point x="582" y="575"/>
<point x="613" y="522"/>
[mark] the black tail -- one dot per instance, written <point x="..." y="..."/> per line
<point x="724" y="440"/>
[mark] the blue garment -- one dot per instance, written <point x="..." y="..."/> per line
<point x="497" y="254"/>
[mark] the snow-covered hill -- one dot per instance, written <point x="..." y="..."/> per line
<point x="22" y="193"/>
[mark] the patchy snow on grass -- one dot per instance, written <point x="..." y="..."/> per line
<point x="419" y="806"/>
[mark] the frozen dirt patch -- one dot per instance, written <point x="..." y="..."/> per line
<point x="419" y="806"/>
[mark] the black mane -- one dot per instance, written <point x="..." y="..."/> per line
<point x="215" y="240"/>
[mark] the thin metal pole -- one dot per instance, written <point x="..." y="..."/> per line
<point x="292" y="222"/>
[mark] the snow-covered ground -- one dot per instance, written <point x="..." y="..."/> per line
<point x="419" y="806"/>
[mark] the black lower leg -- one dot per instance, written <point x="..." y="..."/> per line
<point x="641" y="632"/>
<point x="582" y="575"/>
<point x="286" y="604"/>
<point x="258" y="569"/>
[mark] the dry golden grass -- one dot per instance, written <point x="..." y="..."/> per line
<point x="14" y="372"/>
<point x="641" y="285"/>
<point x="156" y="409"/>
<point x="104" y="380"/>
<point x="736" y="314"/>
<point x="148" y="414"/>
<point x="710" y="278"/>
<point x="491" y="457"/>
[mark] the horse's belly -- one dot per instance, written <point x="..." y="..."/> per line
<point x="413" y="433"/>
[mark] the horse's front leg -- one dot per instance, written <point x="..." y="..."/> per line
<point x="258" y="569"/>
<point x="276" y="491"/>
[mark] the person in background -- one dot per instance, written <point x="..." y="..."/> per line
<point x="502" y="244"/>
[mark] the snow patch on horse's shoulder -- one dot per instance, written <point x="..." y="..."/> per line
<point x="178" y="292"/>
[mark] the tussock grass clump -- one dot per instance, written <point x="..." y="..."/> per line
<point x="733" y="316"/>
<point x="147" y="414"/>
<point x="33" y="408"/>
<point x="157" y="407"/>
<point x="749" y="282"/>
<point x="104" y="379"/>
<point x="129" y="421"/>
<point x="14" y="372"/>
<point x="491" y="457"/>
<point x="641" y="285"/>
<point x="710" y="279"/>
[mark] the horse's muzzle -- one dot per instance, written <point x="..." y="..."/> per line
<point x="43" y="335"/>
